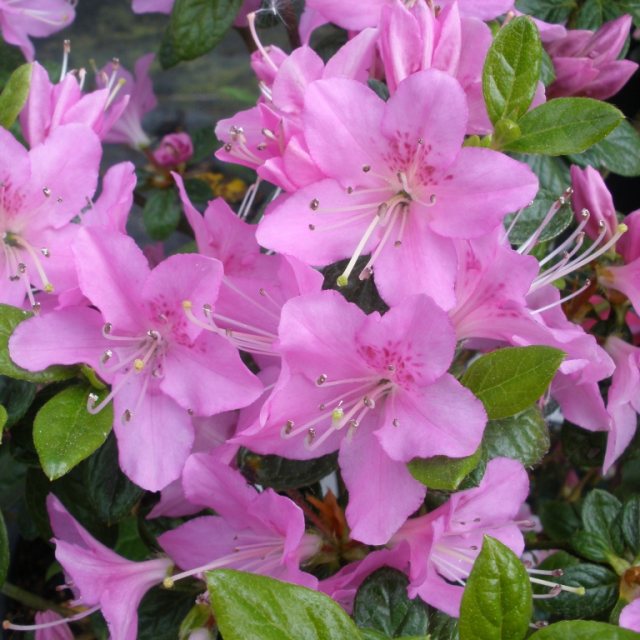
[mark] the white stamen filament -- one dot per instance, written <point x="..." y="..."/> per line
<point x="7" y="625"/>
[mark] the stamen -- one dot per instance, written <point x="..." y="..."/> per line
<point x="251" y="20"/>
<point x="7" y="625"/>
<point x="66" y="50"/>
<point x="586" y="285"/>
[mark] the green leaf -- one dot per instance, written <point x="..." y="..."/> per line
<point x="3" y="419"/>
<point x="196" y="26"/>
<point x="4" y="551"/>
<point x="565" y="125"/>
<point x="591" y="546"/>
<point x="14" y="95"/>
<point x="523" y="437"/>
<point x="161" y="612"/>
<point x="10" y="318"/>
<point x="553" y="173"/>
<point x="599" y="512"/>
<point x="631" y="523"/>
<point x="559" y="519"/>
<point x="547" y="70"/>
<point x="594" y="13"/>
<point x="442" y="626"/>
<point x="204" y="144"/>
<point x="10" y="59"/>
<point x="443" y="473"/>
<point x="531" y="218"/>
<point x="584" y="449"/>
<point x="199" y="191"/>
<point x="549" y="10"/>
<point x="510" y="380"/>
<point x="16" y="396"/>
<point x="281" y="473"/>
<point x="111" y="493"/>
<point x="381" y="89"/>
<point x="601" y="592"/>
<point x="382" y="604"/>
<point x="583" y="630"/>
<point x="496" y="603"/>
<point x="619" y="152"/>
<point x="161" y="214"/>
<point x="512" y="70"/>
<point x="65" y="433"/>
<point x="197" y="618"/>
<point x="253" y="606"/>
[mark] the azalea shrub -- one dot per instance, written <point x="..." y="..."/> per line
<point x="361" y="361"/>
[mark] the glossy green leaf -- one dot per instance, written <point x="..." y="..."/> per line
<point x="512" y="70"/>
<point x="10" y="318"/>
<point x="594" y="13"/>
<point x="111" y="493"/>
<point x="16" y="396"/>
<point x="600" y="592"/>
<point x="14" y="95"/>
<point x="161" y="613"/>
<point x="382" y="604"/>
<point x="512" y="379"/>
<point x="523" y="437"/>
<point x="3" y="420"/>
<point x="281" y="473"/>
<point x="496" y="603"/>
<point x="161" y="214"/>
<point x="619" y="152"/>
<point x="591" y="546"/>
<point x="553" y="173"/>
<point x="4" y="551"/>
<point x="631" y="523"/>
<point x="196" y="26"/>
<point x="65" y="433"/>
<point x="443" y="473"/>
<point x="584" y="630"/>
<point x="442" y="626"/>
<point x="252" y="606"/>
<point x="599" y="512"/>
<point x="559" y="519"/>
<point x="565" y="125"/>
<point x="531" y="218"/>
<point x="548" y="10"/>
<point x="547" y="70"/>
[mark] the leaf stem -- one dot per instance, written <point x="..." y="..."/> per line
<point x="31" y="600"/>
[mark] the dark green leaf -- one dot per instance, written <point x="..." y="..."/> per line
<point x="65" y="433"/>
<point x="442" y="473"/>
<point x="198" y="191"/>
<point x="565" y="125"/>
<point x="594" y="13"/>
<point x="583" y="448"/>
<point x="559" y="519"/>
<point x="4" y="551"/>
<point x="599" y="512"/>
<point x="619" y="152"/>
<point x="3" y="420"/>
<point x="510" y="380"/>
<point x="167" y="54"/>
<point x="253" y="606"/>
<point x="14" y="95"/>
<point x="281" y="473"/>
<point x="591" y="546"/>
<point x="161" y="214"/>
<point x="10" y="59"/>
<point x="204" y="144"/>
<point x="631" y="523"/>
<point x="531" y="218"/>
<point x="382" y="604"/>
<point x="601" y="592"/>
<point x="196" y="26"/>
<point x="442" y="626"/>
<point x="553" y="173"/>
<point x="111" y="493"/>
<point x="584" y="630"/>
<point x="512" y="70"/>
<point x="547" y="70"/>
<point x="16" y="396"/>
<point x="523" y="437"/>
<point x="496" y="603"/>
<point x="381" y="89"/>
<point x="548" y="10"/>
<point x="161" y="612"/>
<point x="10" y="318"/>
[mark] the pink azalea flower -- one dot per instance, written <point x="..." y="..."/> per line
<point x="624" y="278"/>
<point x="400" y="185"/>
<point x="59" y="632"/>
<point x="52" y="105"/>
<point x="587" y="64"/>
<point x="629" y="245"/>
<point x="162" y="367"/>
<point x="415" y="39"/>
<point x="101" y="577"/>
<point x="445" y="543"/>
<point x="21" y="19"/>
<point x="174" y="149"/>
<point x="255" y="286"/>
<point x="128" y="128"/>
<point x="259" y="532"/>
<point x="152" y="6"/>
<point x="41" y="191"/>
<point x="378" y="390"/>
<point x="591" y="193"/>
<point x="630" y="616"/>
<point x="623" y="402"/>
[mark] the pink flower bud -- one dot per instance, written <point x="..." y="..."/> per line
<point x="591" y="194"/>
<point x="174" y="149"/>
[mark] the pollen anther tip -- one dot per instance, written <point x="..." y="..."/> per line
<point x="168" y="583"/>
<point x="187" y="304"/>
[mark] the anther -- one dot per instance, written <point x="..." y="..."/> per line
<point x="47" y="192"/>
<point x="45" y="252"/>
<point x="366" y="273"/>
<point x="337" y="414"/>
<point x="168" y="583"/>
<point x="421" y="141"/>
<point x="395" y="422"/>
<point x="93" y="398"/>
<point x="107" y="328"/>
<point x="342" y="280"/>
<point x="59" y="200"/>
<point x="227" y="147"/>
<point x="127" y="415"/>
<point x="106" y="356"/>
<point x="321" y="379"/>
<point x="432" y="198"/>
<point x="311" y="435"/>
<point x="288" y="427"/>
<point x="349" y="190"/>
<point x="22" y="267"/>
<point x="368" y="402"/>
<point x="366" y="168"/>
<point x="312" y="227"/>
<point x="314" y="204"/>
<point x="190" y="412"/>
<point x="391" y="367"/>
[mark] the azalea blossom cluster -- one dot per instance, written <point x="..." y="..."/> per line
<point x="249" y="343"/>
